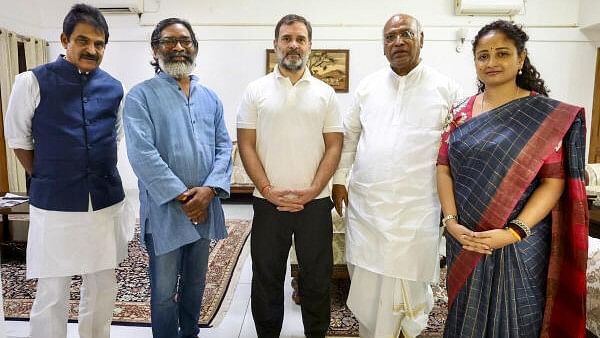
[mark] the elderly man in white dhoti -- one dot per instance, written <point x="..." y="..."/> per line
<point x="392" y="134"/>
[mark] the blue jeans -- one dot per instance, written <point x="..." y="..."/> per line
<point x="177" y="281"/>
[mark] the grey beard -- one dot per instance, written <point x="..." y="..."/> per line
<point x="293" y="66"/>
<point x="177" y="70"/>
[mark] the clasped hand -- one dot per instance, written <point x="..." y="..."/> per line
<point x="196" y="206"/>
<point x="290" y="200"/>
<point x="483" y="242"/>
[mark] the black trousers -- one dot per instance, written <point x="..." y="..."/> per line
<point x="271" y="238"/>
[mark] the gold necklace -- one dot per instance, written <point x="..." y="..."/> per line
<point x="483" y="99"/>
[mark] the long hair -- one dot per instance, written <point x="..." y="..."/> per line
<point x="528" y="78"/>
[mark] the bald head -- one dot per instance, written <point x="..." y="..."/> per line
<point x="402" y="43"/>
<point x="403" y="17"/>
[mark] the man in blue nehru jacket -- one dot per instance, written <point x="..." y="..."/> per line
<point x="63" y="123"/>
<point x="180" y="150"/>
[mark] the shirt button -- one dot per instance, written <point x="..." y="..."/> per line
<point x="89" y="146"/>
<point x="85" y="99"/>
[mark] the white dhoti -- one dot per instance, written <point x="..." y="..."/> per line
<point x="386" y="306"/>
<point x="392" y="136"/>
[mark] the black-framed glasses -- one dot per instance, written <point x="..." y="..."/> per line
<point x="406" y="35"/>
<point x="185" y="42"/>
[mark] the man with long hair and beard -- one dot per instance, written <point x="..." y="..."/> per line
<point x="180" y="150"/>
<point x="290" y="139"/>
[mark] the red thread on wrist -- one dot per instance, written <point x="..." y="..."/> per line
<point x="262" y="191"/>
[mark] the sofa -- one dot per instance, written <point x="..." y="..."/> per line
<point x="593" y="264"/>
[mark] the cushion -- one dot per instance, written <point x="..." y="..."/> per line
<point x="593" y="287"/>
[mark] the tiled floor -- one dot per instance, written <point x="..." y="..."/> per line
<point x="238" y="319"/>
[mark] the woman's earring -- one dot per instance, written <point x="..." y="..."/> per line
<point x="520" y="71"/>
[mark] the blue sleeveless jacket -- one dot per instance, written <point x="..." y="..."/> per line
<point x="74" y="134"/>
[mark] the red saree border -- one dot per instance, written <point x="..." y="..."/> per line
<point x="519" y="176"/>
<point x="565" y="312"/>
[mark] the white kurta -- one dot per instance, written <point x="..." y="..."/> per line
<point x="65" y="243"/>
<point x="392" y="136"/>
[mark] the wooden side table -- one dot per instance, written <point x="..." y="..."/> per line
<point x="19" y="209"/>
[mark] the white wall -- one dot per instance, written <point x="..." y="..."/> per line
<point x="233" y="36"/>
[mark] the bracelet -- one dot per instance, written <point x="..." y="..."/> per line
<point x="513" y="232"/>
<point x="517" y="229"/>
<point x="449" y="217"/>
<point x="526" y="231"/>
<point x="215" y="191"/>
<point x="262" y="190"/>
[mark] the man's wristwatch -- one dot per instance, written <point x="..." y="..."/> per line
<point x="215" y="191"/>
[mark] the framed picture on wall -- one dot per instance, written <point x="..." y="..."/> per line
<point x="327" y="65"/>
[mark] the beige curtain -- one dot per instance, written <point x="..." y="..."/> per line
<point x="36" y="53"/>
<point x="9" y="68"/>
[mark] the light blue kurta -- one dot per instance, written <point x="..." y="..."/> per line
<point x="174" y="143"/>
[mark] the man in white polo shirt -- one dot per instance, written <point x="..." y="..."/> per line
<point x="290" y="140"/>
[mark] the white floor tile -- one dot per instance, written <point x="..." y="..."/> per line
<point x="231" y="325"/>
<point x="17" y="328"/>
<point x="238" y="211"/>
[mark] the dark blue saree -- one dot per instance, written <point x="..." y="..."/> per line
<point x="535" y="287"/>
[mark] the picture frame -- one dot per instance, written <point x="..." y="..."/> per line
<point x="327" y="65"/>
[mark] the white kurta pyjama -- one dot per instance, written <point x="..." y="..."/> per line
<point x="65" y="243"/>
<point x="391" y="139"/>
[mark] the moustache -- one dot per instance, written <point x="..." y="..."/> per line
<point x="89" y="56"/>
<point x="187" y="58"/>
<point x="293" y="53"/>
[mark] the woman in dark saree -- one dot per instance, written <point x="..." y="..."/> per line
<point x="510" y="179"/>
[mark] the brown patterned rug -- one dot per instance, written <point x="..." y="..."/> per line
<point x="132" y="306"/>
<point x="344" y="324"/>
<point x="225" y="260"/>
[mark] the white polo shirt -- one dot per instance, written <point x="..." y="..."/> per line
<point x="290" y="120"/>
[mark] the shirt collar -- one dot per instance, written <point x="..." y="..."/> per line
<point x="172" y="80"/>
<point x="413" y="72"/>
<point x="62" y="60"/>
<point x="307" y="76"/>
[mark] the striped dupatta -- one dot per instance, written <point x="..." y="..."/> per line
<point x="491" y="183"/>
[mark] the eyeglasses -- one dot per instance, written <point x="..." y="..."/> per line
<point x="403" y="35"/>
<point x="185" y="42"/>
